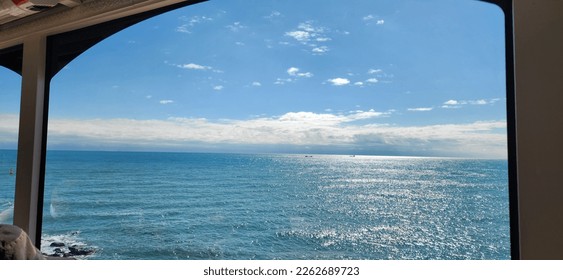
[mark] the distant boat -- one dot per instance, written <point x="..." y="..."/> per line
<point x="352" y="155"/>
<point x="11" y="171"/>
<point x="308" y="156"/>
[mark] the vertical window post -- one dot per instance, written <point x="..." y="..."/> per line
<point x="28" y="204"/>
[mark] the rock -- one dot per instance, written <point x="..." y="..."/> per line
<point x="80" y="251"/>
<point x="57" y="253"/>
<point x="57" y="244"/>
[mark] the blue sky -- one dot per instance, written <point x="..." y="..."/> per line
<point x="418" y="78"/>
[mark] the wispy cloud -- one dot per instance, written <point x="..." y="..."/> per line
<point x="339" y="81"/>
<point x="294" y="75"/>
<point x="320" y="50"/>
<point x="299" y="35"/>
<point x="308" y="34"/>
<point x="371" y="19"/>
<point x="456" y="104"/>
<point x="295" y="72"/>
<point x="191" y="22"/>
<point x="256" y="84"/>
<point x="194" y="66"/>
<point x="183" y="29"/>
<point x="273" y="15"/>
<point x="166" y="101"/>
<point x="282" y="81"/>
<point x="235" y="27"/>
<point x="218" y="88"/>
<point x="422" y="109"/>
<point x="378" y="75"/>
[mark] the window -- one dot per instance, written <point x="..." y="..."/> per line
<point x="10" y="84"/>
<point x="285" y="130"/>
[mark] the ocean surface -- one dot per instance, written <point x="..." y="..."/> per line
<point x="133" y="205"/>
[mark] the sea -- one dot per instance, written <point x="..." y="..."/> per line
<point x="168" y="206"/>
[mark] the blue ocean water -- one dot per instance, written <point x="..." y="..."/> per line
<point x="129" y="205"/>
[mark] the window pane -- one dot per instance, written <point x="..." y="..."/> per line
<point x="10" y="88"/>
<point x="286" y="130"/>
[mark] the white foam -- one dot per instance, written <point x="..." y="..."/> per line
<point x="69" y="239"/>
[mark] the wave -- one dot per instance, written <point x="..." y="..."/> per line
<point x="65" y="241"/>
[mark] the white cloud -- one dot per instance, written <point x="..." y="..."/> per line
<point x="478" y="102"/>
<point x="422" y="109"/>
<point x="191" y="22"/>
<point x="9" y="122"/>
<point x="358" y="83"/>
<point x="308" y="26"/>
<point x="477" y="139"/>
<point x="281" y="81"/>
<point x="235" y="27"/>
<point x="166" y="101"/>
<point x="358" y="129"/>
<point x="456" y="104"/>
<point x="452" y="104"/>
<point x="273" y="15"/>
<point x="308" y="34"/>
<point x="193" y="66"/>
<point x="320" y="50"/>
<point x="299" y="35"/>
<point x="218" y="88"/>
<point x="339" y="81"/>
<point x="256" y="84"/>
<point x="370" y="19"/>
<point x="374" y="71"/>
<point x="372" y="80"/>
<point x="294" y="72"/>
<point x="184" y="28"/>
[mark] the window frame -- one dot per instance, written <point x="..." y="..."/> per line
<point x="64" y="47"/>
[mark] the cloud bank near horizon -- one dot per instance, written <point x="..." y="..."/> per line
<point x="301" y="132"/>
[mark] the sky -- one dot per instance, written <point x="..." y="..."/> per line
<point x="388" y="77"/>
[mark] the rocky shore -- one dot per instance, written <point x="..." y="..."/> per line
<point x="63" y="250"/>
